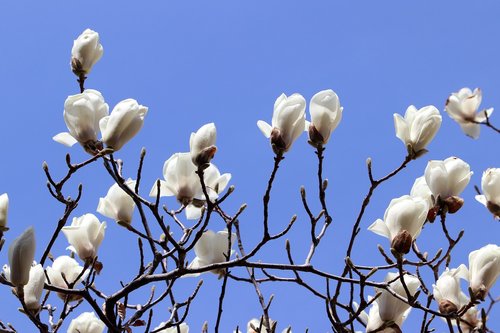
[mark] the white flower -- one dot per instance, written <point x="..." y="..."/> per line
<point x="447" y="178"/>
<point x="202" y="144"/>
<point x="418" y="127"/>
<point x="4" y="209"/>
<point x="372" y="319"/>
<point x="447" y="291"/>
<point x="326" y="114"/>
<point x="256" y="324"/>
<point x="182" y="182"/>
<point x="490" y="184"/>
<point x="462" y="107"/>
<point x="389" y="307"/>
<point x="69" y="267"/>
<point x="420" y="189"/>
<point x="21" y="255"/>
<point x="403" y="214"/>
<point x="123" y="123"/>
<point x="287" y="124"/>
<point x="85" y="235"/>
<point x="34" y="288"/>
<point x="212" y="248"/>
<point x="86" y="52"/>
<point x="87" y="322"/>
<point x="484" y="269"/>
<point x="82" y="113"/>
<point x="183" y="328"/>
<point x="117" y="204"/>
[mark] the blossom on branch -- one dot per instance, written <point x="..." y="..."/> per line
<point x="326" y="114"/>
<point x="64" y="272"/>
<point x="447" y="291"/>
<point x="490" y="184"/>
<point x="85" y="235"/>
<point x="86" y="51"/>
<point x="117" y="204"/>
<point x="33" y="289"/>
<point x="287" y="124"/>
<point x="484" y="269"/>
<point x="182" y="328"/>
<point x="87" y="322"/>
<point x="4" y="210"/>
<point x="202" y="144"/>
<point x="462" y="107"/>
<point x="21" y="255"/>
<point x="373" y="322"/>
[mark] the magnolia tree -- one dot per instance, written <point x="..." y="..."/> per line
<point x="50" y="289"/>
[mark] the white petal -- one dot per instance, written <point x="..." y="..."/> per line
<point x="265" y="128"/>
<point x="65" y="138"/>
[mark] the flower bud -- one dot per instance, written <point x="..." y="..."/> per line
<point x="402" y="242"/>
<point x="117" y="204"/>
<point x="4" y="209"/>
<point x="447" y="307"/>
<point x="21" y="255"/>
<point x="391" y="308"/>
<point x="453" y="204"/>
<point x="484" y="269"/>
<point x="124" y="122"/>
<point x="34" y="289"/>
<point x="202" y="144"/>
<point x="447" y="290"/>
<point x="326" y="114"/>
<point x="447" y="178"/>
<point x="86" y="52"/>
<point x="87" y="322"/>
<point x="85" y="235"/>
<point x="490" y="184"/>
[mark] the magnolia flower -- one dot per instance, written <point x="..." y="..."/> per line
<point x="34" y="288"/>
<point x="490" y="184"/>
<point x="403" y="221"/>
<point x="420" y="189"/>
<point x="255" y="324"/>
<point x="72" y="271"/>
<point x="484" y="269"/>
<point x="123" y="123"/>
<point x="87" y="322"/>
<point x="117" y="204"/>
<point x="389" y="307"/>
<point x="86" y="52"/>
<point x="4" y="209"/>
<point x="183" y="328"/>
<point x="447" y="290"/>
<point x="418" y="127"/>
<point x="447" y="178"/>
<point x="287" y="124"/>
<point x="373" y="322"/>
<point x="470" y="317"/>
<point x="462" y="107"/>
<point x="182" y="182"/>
<point x="82" y="113"/>
<point x="85" y="235"/>
<point x="326" y="114"/>
<point x="202" y="144"/>
<point x="212" y="248"/>
<point x="21" y="255"/>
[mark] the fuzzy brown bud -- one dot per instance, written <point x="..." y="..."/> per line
<point x="402" y="242"/>
<point x="454" y="204"/>
<point x="447" y="307"/>
<point x="315" y="138"/>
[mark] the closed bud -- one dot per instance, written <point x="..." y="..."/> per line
<point x="202" y="144"/>
<point x="21" y="255"/>
<point x="4" y="209"/>
<point x="402" y="242"/>
<point x="447" y="178"/>
<point x="484" y="269"/>
<point x="490" y="184"/>
<point x="326" y="114"/>
<point x="86" y="51"/>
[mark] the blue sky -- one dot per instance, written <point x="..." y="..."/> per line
<point x="194" y="62"/>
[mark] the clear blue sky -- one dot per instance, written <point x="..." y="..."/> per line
<point x="193" y="62"/>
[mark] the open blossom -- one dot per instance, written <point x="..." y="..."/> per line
<point x="212" y="248"/>
<point x="418" y="127"/>
<point x="389" y="307"/>
<point x="4" y="210"/>
<point x="403" y="221"/>
<point x="326" y="114"/>
<point x="21" y="255"/>
<point x="86" y="51"/>
<point x="484" y="269"/>
<point x="183" y="328"/>
<point x="202" y="144"/>
<point x="182" y="182"/>
<point x="82" y="113"/>
<point x="117" y="204"/>
<point x="124" y="122"/>
<point x="87" y="322"/>
<point x="462" y="107"/>
<point x="373" y="322"/>
<point x="85" y="235"/>
<point x="287" y="124"/>
<point x="447" y="291"/>
<point x="71" y="270"/>
<point x="447" y="178"/>
<point x="490" y="184"/>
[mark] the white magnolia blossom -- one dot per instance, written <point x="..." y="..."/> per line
<point x="183" y="328"/>
<point x="372" y="319"/>
<point x="212" y="248"/>
<point x="462" y="107"/>
<point x="182" y="182"/>
<point x="4" y="210"/>
<point x="389" y="307"/>
<point x="447" y="178"/>
<point x="124" y="122"/>
<point x="326" y="114"/>
<point x="34" y="288"/>
<point x="21" y="255"/>
<point x="484" y="269"/>
<point x="256" y="323"/>
<point x="403" y="214"/>
<point x="287" y="124"/>
<point x="471" y="316"/>
<point x="447" y="289"/>
<point x="117" y="204"/>
<point x="420" y="189"/>
<point x="85" y="235"/>
<point x="490" y="184"/>
<point x="86" y="52"/>
<point x="202" y="144"/>
<point x="87" y="322"/>
<point x="82" y="113"/>
<point x="71" y="270"/>
<point x="418" y="127"/>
